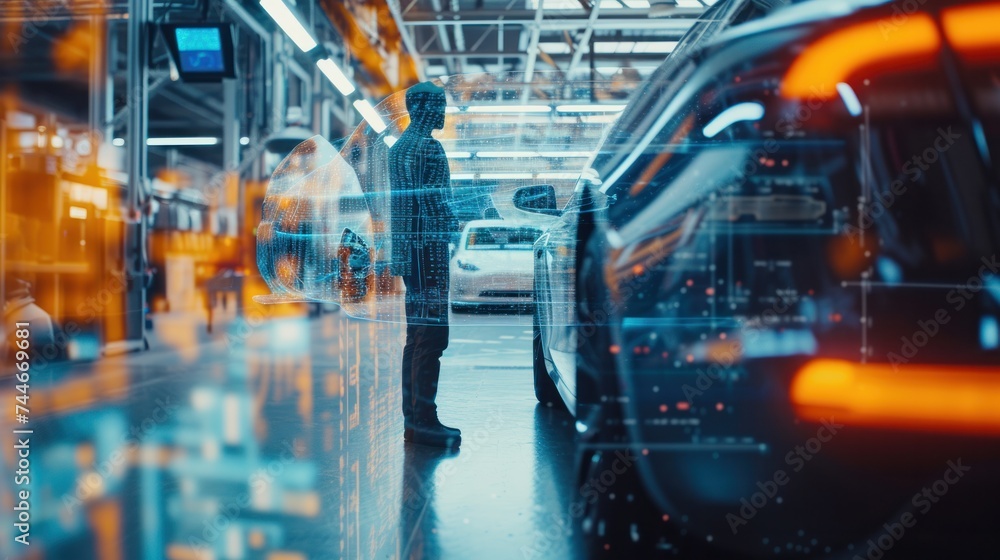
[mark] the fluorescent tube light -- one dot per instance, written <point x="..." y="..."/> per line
<point x="183" y="141"/>
<point x="592" y="108"/>
<point x="290" y="24"/>
<point x="505" y="175"/>
<point x="336" y="76"/>
<point x="559" y="155"/>
<point x="509" y="109"/>
<point x="369" y="114"/>
<point x="506" y="154"/>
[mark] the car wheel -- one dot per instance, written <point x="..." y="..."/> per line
<point x="545" y="387"/>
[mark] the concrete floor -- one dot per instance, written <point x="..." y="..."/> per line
<point x="283" y="439"/>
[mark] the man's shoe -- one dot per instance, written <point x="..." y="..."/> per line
<point x="434" y="434"/>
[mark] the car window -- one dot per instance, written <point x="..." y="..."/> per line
<point x="501" y="238"/>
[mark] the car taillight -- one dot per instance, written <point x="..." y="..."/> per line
<point x="952" y="398"/>
<point x="467" y="266"/>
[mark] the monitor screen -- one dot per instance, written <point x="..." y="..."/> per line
<point x="200" y="49"/>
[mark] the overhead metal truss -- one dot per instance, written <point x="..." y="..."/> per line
<point x="449" y="36"/>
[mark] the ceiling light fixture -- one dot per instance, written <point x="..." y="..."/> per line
<point x="290" y="24"/>
<point x="592" y="108"/>
<point x="509" y="109"/>
<point x="183" y="141"/>
<point x="336" y="76"/>
<point x="369" y="114"/>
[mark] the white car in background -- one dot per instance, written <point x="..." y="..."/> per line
<point x="492" y="265"/>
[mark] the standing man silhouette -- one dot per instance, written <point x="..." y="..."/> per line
<point x="422" y="224"/>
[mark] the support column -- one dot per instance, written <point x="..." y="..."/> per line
<point x="232" y="202"/>
<point x="98" y="80"/>
<point x="137" y="193"/>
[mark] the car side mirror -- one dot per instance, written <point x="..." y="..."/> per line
<point x="540" y="199"/>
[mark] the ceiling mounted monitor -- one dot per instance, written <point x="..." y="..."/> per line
<point x="202" y="52"/>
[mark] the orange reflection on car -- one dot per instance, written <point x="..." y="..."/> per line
<point x="946" y="398"/>
<point x="867" y="47"/>
<point x="972" y="31"/>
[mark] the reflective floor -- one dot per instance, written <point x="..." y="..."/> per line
<point x="282" y="439"/>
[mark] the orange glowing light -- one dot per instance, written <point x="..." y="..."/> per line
<point x="723" y="352"/>
<point x="915" y="397"/>
<point x="72" y="51"/>
<point x="682" y="405"/>
<point x="867" y="46"/>
<point x="972" y="31"/>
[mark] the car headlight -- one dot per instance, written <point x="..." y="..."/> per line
<point x="467" y="266"/>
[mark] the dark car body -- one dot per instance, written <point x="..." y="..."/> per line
<point x="556" y="250"/>
<point x="787" y="293"/>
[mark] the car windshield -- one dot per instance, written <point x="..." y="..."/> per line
<point x="497" y="238"/>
